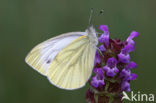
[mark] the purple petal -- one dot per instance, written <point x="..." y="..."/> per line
<point x="111" y="68"/>
<point x="110" y="73"/>
<point x="111" y="62"/>
<point x="106" y="68"/>
<point x="125" y="73"/>
<point x="131" y="42"/>
<point x="133" y="34"/>
<point x="103" y="28"/>
<point x="104" y="38"/>
<point x="124" y="58"/>
<point x="99" y="72"/>
<point x="97" y="58"/>
<point x="102" y="48"/>
<point x="125" y="86"/>
<point x="115" y="69"/>
<point x="96" y="81"/>
<point x="131" y="65"/>
<point x="128" y="48"/>
<point x="133" y="76"/>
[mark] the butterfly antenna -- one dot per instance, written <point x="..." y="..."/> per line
<point x="90" y="17"/>
<point x="101" y="12"/>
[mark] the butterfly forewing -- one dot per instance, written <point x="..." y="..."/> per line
<point x="43" y="54"/>
<point x="73" y="65"/>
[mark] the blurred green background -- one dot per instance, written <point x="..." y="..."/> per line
<point x="25" y="23"/>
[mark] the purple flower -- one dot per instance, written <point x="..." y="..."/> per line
<point x="127" y="75"/>
<point x="99" y="72"/>
<point x="127" y="49"/>
<point x="97" y="58"/>
<point x="98" y="79"/>
<point x="104" y="28"/>
<point x="124" y="54"/>
<point x="102" y="48"/>
<point x="133" y="76"/>
<point x="125" y="86"/>
<point x="124" y="58"/>
<point x="110" y="67"/>
<point x="130" y="38"/>
<point x="104" y="38"/>
<point x="131" y="65"/>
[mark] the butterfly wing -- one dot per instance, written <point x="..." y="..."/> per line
<point x="72" y="66"/>
<point x="43" y="54"/>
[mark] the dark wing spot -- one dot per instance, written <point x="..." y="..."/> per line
<point x="48" y="61"/>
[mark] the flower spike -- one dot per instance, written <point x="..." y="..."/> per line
<point x="112" y="69"/>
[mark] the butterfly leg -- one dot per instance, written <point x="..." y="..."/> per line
<point x="100" y="51"/>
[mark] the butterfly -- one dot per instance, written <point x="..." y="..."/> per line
<point x="66" y="60"/>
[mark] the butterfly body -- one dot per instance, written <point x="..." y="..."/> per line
<point x="92" y="35"/>
<point x="66" y="60"/>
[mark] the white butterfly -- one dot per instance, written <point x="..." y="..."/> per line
<point x="66" y="60"/>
